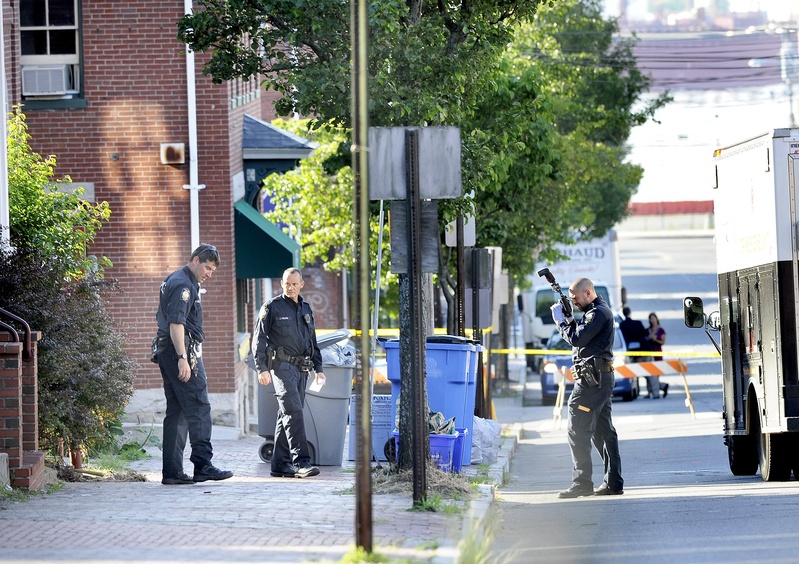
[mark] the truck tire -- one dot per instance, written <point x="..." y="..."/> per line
<point x="775" y="464"/>
<point x="742" y="455"/>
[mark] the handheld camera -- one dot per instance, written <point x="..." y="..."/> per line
<point x="564" y="299"/>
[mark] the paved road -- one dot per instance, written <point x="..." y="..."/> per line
<point x="681" y="503"/>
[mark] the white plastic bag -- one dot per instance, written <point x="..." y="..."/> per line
<point x="489" y="440"/>
<point x="477" y="435"/>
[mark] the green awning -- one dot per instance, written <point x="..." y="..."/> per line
<point x="262" y="249"/>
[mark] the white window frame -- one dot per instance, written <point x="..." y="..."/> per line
<point x="72" y="60"/>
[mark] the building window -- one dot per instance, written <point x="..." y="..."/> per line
<point x="50" y="45"/>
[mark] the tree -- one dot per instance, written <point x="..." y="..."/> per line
<point x="85" y="377"/>
<point x="59" y="223"/>
<point x="544" y="116"/>
<point x="429" y="62"/>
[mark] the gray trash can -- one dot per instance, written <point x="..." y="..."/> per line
<point x="326" y="411"/>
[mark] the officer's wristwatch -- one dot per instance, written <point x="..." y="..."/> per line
<point x="183" y="356"/>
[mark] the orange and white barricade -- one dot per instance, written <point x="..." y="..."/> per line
<point x="658" y="368"/>
<point x="634" y="370"/>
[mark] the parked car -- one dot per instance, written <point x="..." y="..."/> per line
<point x="555" y="367"/>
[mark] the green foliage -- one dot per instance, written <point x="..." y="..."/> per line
<point x="323" y="227"/>
<point x="84" y="375"/>
<point x="567" y="176"/>
<point x="59" y="224"/>
<point x="360" y="555"/>
<point x="428" y="61"/>
<point x="545" y="95"/>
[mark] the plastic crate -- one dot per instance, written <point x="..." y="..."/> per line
<point x="460" y="447"/>
<point x="442" y="450"/>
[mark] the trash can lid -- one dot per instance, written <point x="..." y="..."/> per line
<point x="450" y="339"/>
<point x="333" y="338"/>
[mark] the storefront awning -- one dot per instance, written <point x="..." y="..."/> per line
<point x="262" y="249"/>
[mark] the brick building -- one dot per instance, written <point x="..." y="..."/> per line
<point x="107" y="88"/>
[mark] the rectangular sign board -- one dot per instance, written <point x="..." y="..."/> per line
<point x="439" y="163"/>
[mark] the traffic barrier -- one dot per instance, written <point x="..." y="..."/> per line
<point x="633" y="370"/>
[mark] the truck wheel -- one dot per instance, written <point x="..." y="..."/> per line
<point x="775" y="464"/>
<point x="742" y="455"/>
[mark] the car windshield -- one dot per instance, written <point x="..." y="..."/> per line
<point x="558" y="343"/>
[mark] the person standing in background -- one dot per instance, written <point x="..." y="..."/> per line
<point x="635" y="335"/>
<point x="656" y="338"/>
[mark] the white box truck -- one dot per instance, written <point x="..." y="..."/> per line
<point x="597" y="259"/>
<point x="756" y="213"/>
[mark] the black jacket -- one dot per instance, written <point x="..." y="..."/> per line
<point x="180" y="303"/>
<point x="592" y="336"/>
<point x="284" y="323"/>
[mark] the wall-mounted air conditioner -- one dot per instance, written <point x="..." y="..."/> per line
<point x="45" y="80"/>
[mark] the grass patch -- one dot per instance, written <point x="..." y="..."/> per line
<point x="359" y="555"/>
<point x="12" y="496"/>
<point x="475" y="547"/>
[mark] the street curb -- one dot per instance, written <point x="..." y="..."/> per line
<point x="475" y="520"/>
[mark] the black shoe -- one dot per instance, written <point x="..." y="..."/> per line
<point x="180" y="479"/>
<point x="209" y="472"/>
<point x="605" y="489"/>
<point x="307" y="471"/>
<point x="665" y="390"/>
<point x="576" y="490"/>
<point x="285" y="472"/>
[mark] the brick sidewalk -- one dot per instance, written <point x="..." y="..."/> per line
<point x="251" y="517"/>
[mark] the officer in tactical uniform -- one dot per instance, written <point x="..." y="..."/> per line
<point x="285" y="351"/>
<point x="178" y="351"/>
<point x="591" y="399"/>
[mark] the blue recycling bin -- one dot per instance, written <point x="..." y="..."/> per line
<point x="451" y="382"/>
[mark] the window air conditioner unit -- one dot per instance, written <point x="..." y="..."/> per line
<point x="45" y="80"/>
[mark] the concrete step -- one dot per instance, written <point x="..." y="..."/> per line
<point x="30" y="476"/>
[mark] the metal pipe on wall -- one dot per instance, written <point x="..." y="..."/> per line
<point x="193" y="186"/>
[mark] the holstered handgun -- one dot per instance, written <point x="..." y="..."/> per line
<point x="270" y="357"/>
<point x="192" y="351"/>
<point x="589" y="375"/>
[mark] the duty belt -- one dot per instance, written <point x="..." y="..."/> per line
<point x="303" y="362"/>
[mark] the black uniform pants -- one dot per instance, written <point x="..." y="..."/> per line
<point x="188" y="414"/>
<point x="590" y="423"/>
<point x="291" y="445"/>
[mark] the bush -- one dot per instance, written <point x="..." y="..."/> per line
<point x="85" y="377"/>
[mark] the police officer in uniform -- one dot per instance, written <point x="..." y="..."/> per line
<point x="591" y="399"/>
<point x="178" y="351"/>
<point x="285" y="351"/>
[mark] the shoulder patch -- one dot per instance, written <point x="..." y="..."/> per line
<point x="185" y="294"/>
<point x="264" y="311"/>
<point x="589" y="317"/>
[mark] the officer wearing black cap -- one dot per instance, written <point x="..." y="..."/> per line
<point x="591" y="399"/>
<point x="285" y="351"/>
<point x="178" y="352"/>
